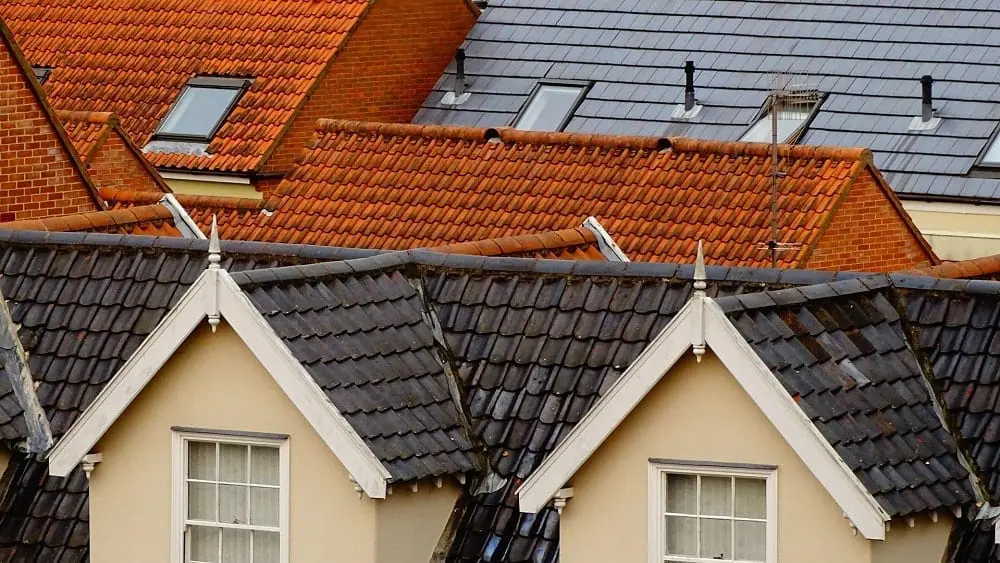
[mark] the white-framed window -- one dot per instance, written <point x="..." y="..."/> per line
<point x="230" y="497"/>
<point x="201" y="108"/>
<point x="703" y="513"/>
<point x="551" y="106"/>
<point x="795" y="109"/>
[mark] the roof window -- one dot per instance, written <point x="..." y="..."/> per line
<point x="992" y="156"/>
<point x="794" y="109"/>
<point x="42" y="73"/>
<point x="551" y="106"/>
<point x="202" y="107"/>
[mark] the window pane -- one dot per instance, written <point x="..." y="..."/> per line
<point x="682" y="538"/>
<point x="788" y="123"/>
<point x="233" y="463"/>
<point x="204" y="544"/>
<point x="266" y="547"/>
<point x="264" y="466"/>
<point x="263" y="506"/>
<point x="751" y="498"/>
<point x="235" y="546"/>
<point x="198" y="110"/>
<point x="233" y="504"/>
<point x="716" y="496"/>
<point x="201" y="460"/>
<point x="201" y="501"/>
<point x="716" y="538"/>
<point x="548" y="108"/>
<point x="751" y="538"/>
<point x="682" y="494"/>
<point x="992" y="155"/>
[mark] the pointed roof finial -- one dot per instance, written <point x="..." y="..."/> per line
<point x="699" y="271"/>
<point x="214" y="247"/>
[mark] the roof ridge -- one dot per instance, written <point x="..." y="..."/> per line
<point x="93" y="219"/>
<point x="103" y="117"/>
<point x="220" y="201"/>
<point x="649" y="143"/>
<point x="530" y="242"/>
<point x="768" y="298"/>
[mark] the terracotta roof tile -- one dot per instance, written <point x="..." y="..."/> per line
<point x="987" y="267"/>
<point x="568" y="244"/>
<point x="230" y="211"/>
<point x="87" y="130"/>
<point x="395" y="186"/>
<point x="134" y="57"/>
<point x="153" y="220"/>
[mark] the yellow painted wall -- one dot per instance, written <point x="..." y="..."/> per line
<point x="213" y="188"/>
<point x="925" y="542"/>
<point x="214" y="382"/>
<point x="958" y="231"/>
<point x="697" y="412"/>
<point x="411" y="523"/>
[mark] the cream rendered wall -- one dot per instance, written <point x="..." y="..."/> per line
<point x="410" y="524"/>
<point x="214" y="382"/>
<point x="697" y="412"/>
<point x="957" y="231"/>
<point x="4" y="460"/>
<point x="926" y="542"/>
<point x="213" y="188"/>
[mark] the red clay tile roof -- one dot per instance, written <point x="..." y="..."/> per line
<point x="133" y="57"/>
<point x="396" y="186"/>
<point x="154" y="220"/>
<point x="985" y="268"/>
<point x="232" y="212"/>
<point x="568" y="244"/>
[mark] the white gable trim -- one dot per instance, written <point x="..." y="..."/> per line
<point x="607" y="245"/>
<point x="754" y="376"/>
<point x="215" y="288"/>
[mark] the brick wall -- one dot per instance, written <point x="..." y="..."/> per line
<point x="37" y="176"/>
<point x="115" y="166"/>
<point x="867" y="234"/>
<point x="385" y="70"/>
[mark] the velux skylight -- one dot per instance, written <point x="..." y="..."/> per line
<point x="202" y="107"/>
<point x="42" y="73"/>
<point x="551" y="107"/>
<point x="794" y="110"/>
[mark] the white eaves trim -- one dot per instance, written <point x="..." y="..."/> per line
<point x="184" y="222"/>
<point x="753" y="375"/>
<point x="215" y="288"/>
<point x="607" y="245"/>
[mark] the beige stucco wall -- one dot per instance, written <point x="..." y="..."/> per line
<point x="958" y="231"/>
<point x="4" y="460"/>
<point x="925" y="542"/>
<point x="214" y="382"/>
<point x="411" y="523"/>
<point x="698" y="412"/>
<point x="213" y="188"/>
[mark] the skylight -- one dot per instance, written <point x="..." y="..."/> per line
<point x="992" y="156"/>
<point x="794" y="111"/>
<point x="202" y="107"/>
<point x="42" y="73"/>
<point x="550" y="107"/>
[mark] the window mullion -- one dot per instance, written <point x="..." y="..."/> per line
<point x="697" y="514"/>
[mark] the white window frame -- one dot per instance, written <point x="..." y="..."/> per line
<point x="657" y="502"/>
<point x="178" y="492"/>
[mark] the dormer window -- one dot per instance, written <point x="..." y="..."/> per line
<point x="202" y="107"/>
<point x="794" y="111"/>
<point x="42" y="73"/>
<point x="551" y="106"/>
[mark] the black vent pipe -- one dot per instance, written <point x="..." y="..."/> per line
<point x="926" y="99"/>
<point x="689" y="86"/>
<point x="459" y="72"/>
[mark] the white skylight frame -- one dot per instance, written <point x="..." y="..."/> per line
<point x="531" y="111"/>
<point x="792" y="122"/>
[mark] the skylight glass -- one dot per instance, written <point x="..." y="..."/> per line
<point x="550" y="108"/>
<point x="41" y="73"/>
<point x="992" y="155"/>
<point x="789" y="121"/>
<point x="201" y="108"/>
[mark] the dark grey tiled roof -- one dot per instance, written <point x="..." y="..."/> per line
<point x="842" y="351"/>
<point x="368" y="343"/>
<point x="867" y="56"/>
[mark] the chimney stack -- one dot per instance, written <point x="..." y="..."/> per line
<point x="689" y="100"/>
<point x="927" y="99"/>
<point x="459" y="72"/>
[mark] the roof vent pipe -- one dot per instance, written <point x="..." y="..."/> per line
<point x="927" y="98"/>
<point x="458" y="95"/>
<point x="689" y="86"/>
<point x="460" y="72"/>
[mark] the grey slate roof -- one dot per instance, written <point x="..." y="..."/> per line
<point x="533" y="343"/>
<point x="368" y="343"/>
<point x="867" y="56"/>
